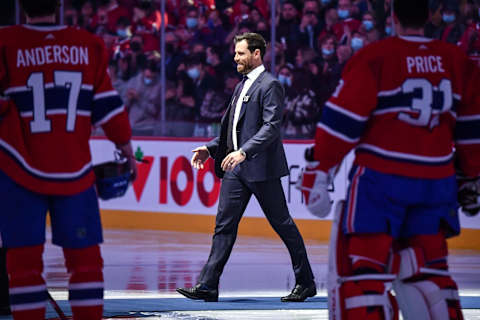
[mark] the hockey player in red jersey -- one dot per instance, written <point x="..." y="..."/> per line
<point x="405" y="104"/>
<point x="56" y="80"/>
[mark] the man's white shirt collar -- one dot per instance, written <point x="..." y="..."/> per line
<point x="253" y="75"/>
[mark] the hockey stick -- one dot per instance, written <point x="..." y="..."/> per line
<point x="56" y="307"/>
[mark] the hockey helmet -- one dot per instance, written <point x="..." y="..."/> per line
<point x="112" y="177"/>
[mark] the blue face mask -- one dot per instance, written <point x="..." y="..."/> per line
<point x="357" y="43"/>
<point x="448" y="18"/>
<point x="122" y="33"/>
<point x="327" y="52"/>
<point x="343" y="13"/>
<point x="147" y="81"/>
<point x="284" y="80"/>
<point x="192" y="22"/>
<point x="325" y="2"/>
<point x="367" y="24"/>
<point x="388" y="31"/>
<point x="193" y="73"/>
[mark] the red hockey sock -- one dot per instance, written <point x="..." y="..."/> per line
<point x="28" y="292"/>
<point x="86" y="282"/>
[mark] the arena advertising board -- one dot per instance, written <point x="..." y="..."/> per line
<point x="167" y="183"/>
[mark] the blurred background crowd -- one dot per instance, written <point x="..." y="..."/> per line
<point x="313" y="41"/>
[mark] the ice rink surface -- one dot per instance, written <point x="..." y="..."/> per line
<point x="143" y="268"/>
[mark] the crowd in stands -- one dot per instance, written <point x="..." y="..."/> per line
<point x="314" y="40"/>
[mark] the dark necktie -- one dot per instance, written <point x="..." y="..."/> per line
<point x="232" y="114"/>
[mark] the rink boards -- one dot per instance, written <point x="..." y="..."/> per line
<point x="170" y="195"/>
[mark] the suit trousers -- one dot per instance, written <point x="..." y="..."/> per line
<point x="235" y="194"/>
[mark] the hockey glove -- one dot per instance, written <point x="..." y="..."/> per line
<point x="468" y="194"/>
<point x="314" y="185"/>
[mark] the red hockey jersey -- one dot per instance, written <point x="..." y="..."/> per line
<point x="56" y="80"/>
<point x="405" y="104"/>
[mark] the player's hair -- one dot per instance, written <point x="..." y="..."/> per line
<point x="39" y="8"/>
<point x="411" y="13"/>
<point x="254" y="41"/>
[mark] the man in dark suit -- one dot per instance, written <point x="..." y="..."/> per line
<point x="249" y="156"/>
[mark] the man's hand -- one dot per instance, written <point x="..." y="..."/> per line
<point x="200" y="155"/>
<point x="127" y="152"/>
<point x="232" y="160"/>
<point x="314" y="185"/>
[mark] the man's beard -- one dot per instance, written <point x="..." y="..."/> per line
<point x="247" y="67"/>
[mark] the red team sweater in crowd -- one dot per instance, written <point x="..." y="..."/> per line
<point x="406" y="104"/>
<point x="56" y="80"/>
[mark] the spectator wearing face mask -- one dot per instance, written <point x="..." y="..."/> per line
<point x="452" y="28"/>
<point x="301" y="107"/>
<point x="194" y="83"/>
<point x="123" y="29"/>
<point x="388" y="27"/>
<point x="143" y="100"/>
<point x="368" y="27"/>
<point x="358" y="41"/>
<point x="346" y="24"/>
<point x="329" y="70"/>
<point x="192" y="19"/>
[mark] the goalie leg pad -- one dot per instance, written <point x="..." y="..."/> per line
<point x="424" y="287"/>
<point x="358" y="286"/>
<point x="28" y="292"/>
<point x="86" y="282"/>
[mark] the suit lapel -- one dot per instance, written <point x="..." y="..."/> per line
<point x="252" y="88"/>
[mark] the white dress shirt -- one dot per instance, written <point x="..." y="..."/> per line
<point x="251" y="77"/>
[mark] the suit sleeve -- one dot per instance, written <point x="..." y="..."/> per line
<point x="212" y="146"/>
<point x="273" y="101"/>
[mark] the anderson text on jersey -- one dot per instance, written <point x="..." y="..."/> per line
<point x="75" y="55"/>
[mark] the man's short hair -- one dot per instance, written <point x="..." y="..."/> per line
<point x="411" y="13"/>
<point x="254" y="41"/>
<point x="39" y="8"/>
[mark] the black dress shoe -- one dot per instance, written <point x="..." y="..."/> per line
<point x="200" y="292"/>
<point x="300" y="293"/>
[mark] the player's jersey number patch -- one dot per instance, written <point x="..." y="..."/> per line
<point x="425" y="104"/>
<point x="68" y="79"/>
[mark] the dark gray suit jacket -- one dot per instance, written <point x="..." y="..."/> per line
<point x="258" y="132"/>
